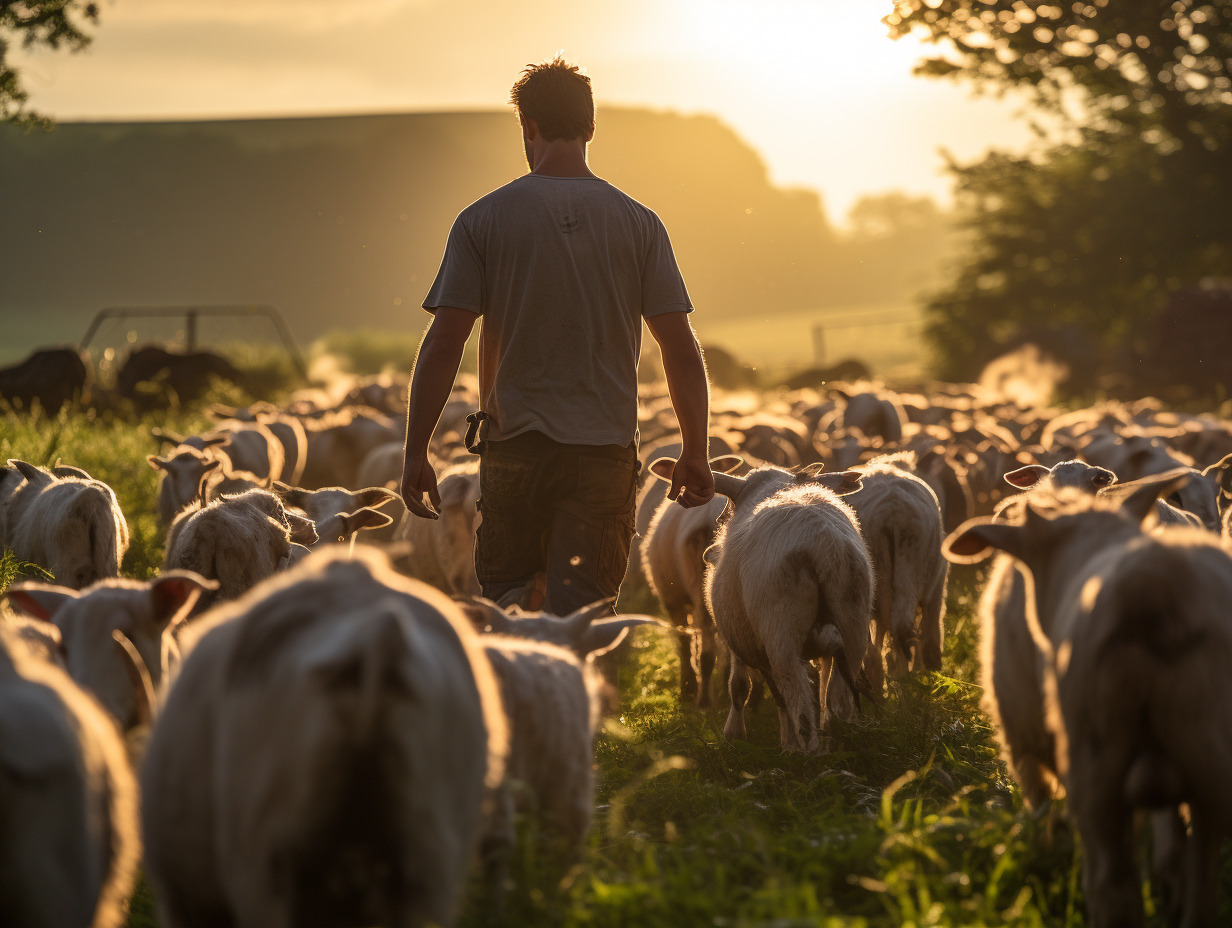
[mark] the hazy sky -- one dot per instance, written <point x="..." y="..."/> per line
<point x="814" y="85"/>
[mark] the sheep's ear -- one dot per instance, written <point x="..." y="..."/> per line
<point x="976" y="539"/>
<point x="68" y="470"/>
<point x="1222" y="472"/>
<point x="812" y="470"/>
<point x="1027" y="476"/>
<point x="728" y="485"/>
<point x="163" y="437"/>
<point x="292" y="496"/>
<point x="662" y="468"/>
<point x="216" y="441"/>
<point x="726" y="463"/>
<point x="604" y="635"/>
<point x="303" y="529"/>
<point x="1141" y="502"/>
<point x="374" y="497"/>
<point x="711" y="555"/>
<point x="177" y="591"/>
<point x="40" y="600"/>
<point x="156" y="462"/>
<point x="364" y="518"/>
<point x="483" y="613"/>
<point x="35" y="475"/>
<point x="841" y="482"/>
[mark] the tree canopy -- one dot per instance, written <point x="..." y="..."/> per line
<point x="1081" y="244"/>
<point x="49" y="23"/>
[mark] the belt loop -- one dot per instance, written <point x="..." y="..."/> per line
<point x="472" y="441"/>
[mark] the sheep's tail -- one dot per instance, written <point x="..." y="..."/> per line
<point x="1153" y="782"/>
<point x="825" y="640"/>
<point x="903" y="603"/>
<point x="368" y="661"/>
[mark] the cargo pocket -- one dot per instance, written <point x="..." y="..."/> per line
<point x="614" y="551"/>
<point x="607" y="484"/>
<point x="504" y="475"/>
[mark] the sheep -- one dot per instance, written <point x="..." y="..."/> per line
<point x="791" y="581"/>
<point x="1011" y="662"/>
<point x="900" y="521"/>
<point x="49" y="376"/>
<point x="1137" y="641"/>
<point x="874" y="413"/>
<point x="324" y="754"/>
<point x="288" y="430"/>
<point x="181" y="474"/>
<point x="338" y="443"/>
<point x="234" y="447"/>
<point x="339" y="514"/>
<point x="236" y="540"/>
<point x="443" y="550"/>
<point x="652" y="492"/>
<point x="144" y="612"/>
<point x="672" y="561"/>
<point x="71" y="525"/>
<point x="70" y="846"/>
<point x="550" y="694"/>
<point x="180" y="377"/>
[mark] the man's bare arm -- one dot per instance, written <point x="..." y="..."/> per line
<point x="436" y="366"/>
<point x="692" y="481"/>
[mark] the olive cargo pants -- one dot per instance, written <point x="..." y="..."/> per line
<point x="556" y="514"/>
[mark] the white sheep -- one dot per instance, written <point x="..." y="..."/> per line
<point x="1011" y="661"/>
<point x="69" y="848"/>
<point x="550" y="694"/>
<point x="900" y="521"/>
<point x="1137" y="640"/>
<point x="289" y="431"/>
<point x="791" y="582"/>
<point x="181" y="475"/>
<point x="442" y="551"/>
<point x="84" y="622"/>
<point x="324" y="755"/>
<point x="339" y="441"/>
<point x="672" y="562"/>
<point x="236" y="540"/>
<point x="69" y="525"/>
<point x="338" y="514"/>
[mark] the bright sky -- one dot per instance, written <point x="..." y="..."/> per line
<point x="814" y="85"/>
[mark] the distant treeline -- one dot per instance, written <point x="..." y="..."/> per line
<point x="340" y="221"/>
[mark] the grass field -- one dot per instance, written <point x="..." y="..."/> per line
<point x="908" y="819"/>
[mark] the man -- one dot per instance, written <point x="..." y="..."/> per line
<point x="562" y="268"/>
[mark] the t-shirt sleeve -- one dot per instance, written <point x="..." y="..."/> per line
<point x="459" y="282"/>
<point x="663" y="289"/>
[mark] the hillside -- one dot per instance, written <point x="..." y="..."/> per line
<point x="340" y="221"/>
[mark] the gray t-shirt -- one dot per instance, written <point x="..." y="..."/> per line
<point x="562" y="269"/>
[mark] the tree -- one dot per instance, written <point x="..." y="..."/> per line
<point x="51" y="23"/>
<point x="1079" y="244"/>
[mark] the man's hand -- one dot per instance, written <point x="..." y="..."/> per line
<point x="419" y="478"/>
<point x="692" y="482"/>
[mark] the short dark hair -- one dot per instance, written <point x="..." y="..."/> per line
<point x="557" y="96"/>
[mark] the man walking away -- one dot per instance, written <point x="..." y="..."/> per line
<point x="562" y="267"/>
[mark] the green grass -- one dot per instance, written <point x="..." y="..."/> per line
<point x="908" y="819"/>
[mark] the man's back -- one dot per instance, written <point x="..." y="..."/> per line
<point x="562" y="269"/>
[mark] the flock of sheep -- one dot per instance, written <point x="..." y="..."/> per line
<point x="336" y="732"/>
